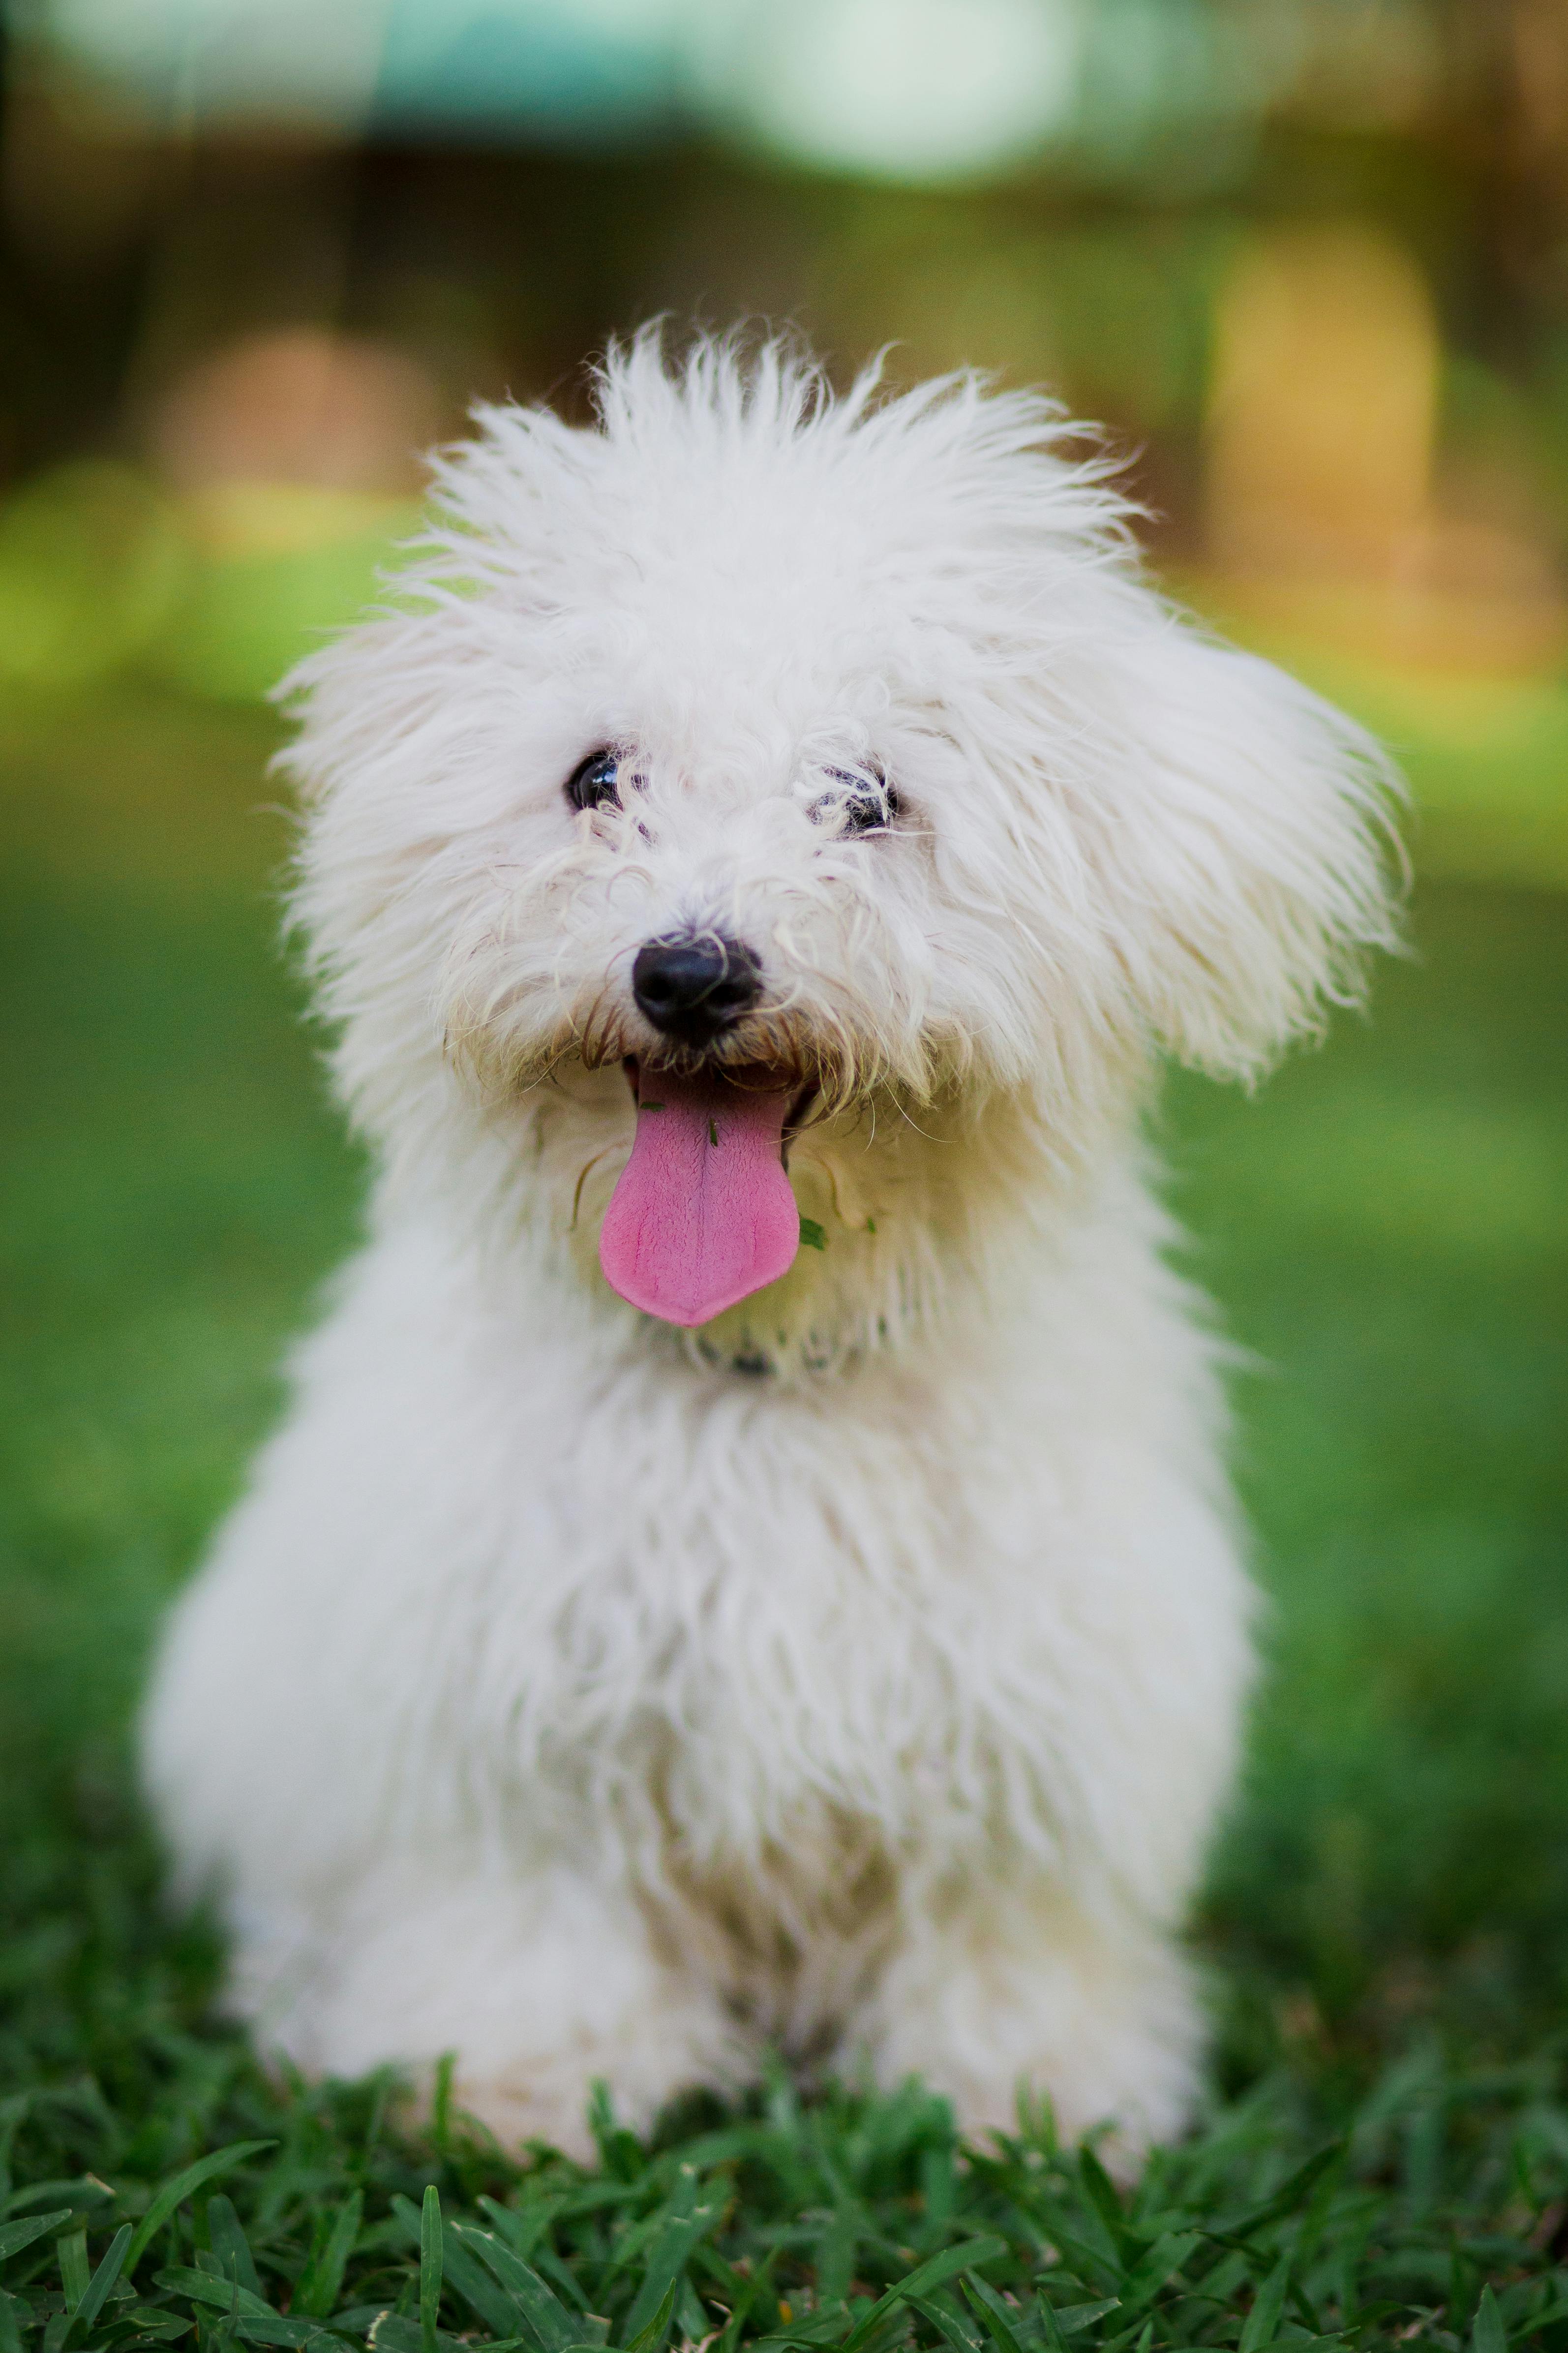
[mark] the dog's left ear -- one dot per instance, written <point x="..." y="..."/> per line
<point x="1257" y="866"/>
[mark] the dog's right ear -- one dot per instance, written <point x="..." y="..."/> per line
<point x="1257" y="866"/>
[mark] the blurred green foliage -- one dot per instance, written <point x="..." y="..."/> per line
<point x="92" y="564"/>
<point x="247" y="619"/>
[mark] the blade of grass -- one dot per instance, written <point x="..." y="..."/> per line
<point x="72" y="2253"/>
<point x="92" y="2301"/>
<point x="223" y="2292"/>
<point x="668" y="2261"/>
<point x="522" y="2232"/>
<point x="1291" y="2194"/>
<point x="175" y="2191"/>
<point x="468" y="2276"/>
<point x="1068" y="2318"/>
<point x="81" y="2189"/>
<point x="14" y="2236"/>
<point x="391" y="2333"/>
<point x="949" y="2325"/>
<point x="745" y="2295"/>
<point x="322" y="2278"/>
<point x="1099" y="2192"/>
<point x="992" y="2314"/>
<point x="1262" y="2323"/>
<point x="230" y="2245"/>
<point x="656" y="2329"/>
<point x="921" y="2280"/>
<point x="1489" y="2334"/>
<point x="544" y="2316"/>
<point x="429" y="2267"/>
<point x="12" y="2112"/>
<point x="1161" y="2262"/>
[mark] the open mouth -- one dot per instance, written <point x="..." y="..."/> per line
<point x="703" y="1213"/>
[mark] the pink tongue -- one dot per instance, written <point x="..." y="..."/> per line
<point x="703" y="1214"/>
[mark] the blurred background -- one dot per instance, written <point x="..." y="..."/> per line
<point x="1307" y="260"/>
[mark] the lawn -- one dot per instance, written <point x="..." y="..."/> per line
<point x="1386" y="1920"/>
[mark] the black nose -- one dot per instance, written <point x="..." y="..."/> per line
<point x="693" y="989"/>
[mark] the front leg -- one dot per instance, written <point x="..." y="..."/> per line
<point x="992" y="1991"/>
<point x="542" y="1982"/>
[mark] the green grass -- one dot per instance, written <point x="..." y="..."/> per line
<point x="1387" y="1916"/>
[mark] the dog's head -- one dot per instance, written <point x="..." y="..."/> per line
<point x="766" y="803"/>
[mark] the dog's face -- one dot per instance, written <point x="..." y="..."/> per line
<point x="774" y="785"/>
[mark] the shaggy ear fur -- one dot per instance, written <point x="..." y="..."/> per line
<point x="1262" y="868"/>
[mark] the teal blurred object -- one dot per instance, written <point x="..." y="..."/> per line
<point x="567" y="69"/>
<point x="538" y="69"/>
<point x="922" y="92"/>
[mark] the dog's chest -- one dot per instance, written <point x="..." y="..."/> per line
<point x="762" y="1782"/>
<point x="759" y="1628"/>
<point x="755" y="1700"/>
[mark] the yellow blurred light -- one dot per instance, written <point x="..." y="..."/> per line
<point x="1324" y="401"/>
<point x="1323" y="512"/>
<point x="238" y="519"/>
<point x="91" y="563"/>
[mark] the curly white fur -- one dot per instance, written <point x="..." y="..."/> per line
<point x="862" y="1671"/>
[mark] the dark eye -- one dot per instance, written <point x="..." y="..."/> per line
<point x="866" y="801"/>
<point x="593" y="782"/>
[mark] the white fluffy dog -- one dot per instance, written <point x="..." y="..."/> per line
<point x="765" y="819"/>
